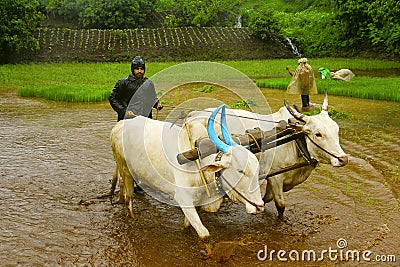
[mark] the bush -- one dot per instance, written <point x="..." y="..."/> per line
<point x="18" y="19"/>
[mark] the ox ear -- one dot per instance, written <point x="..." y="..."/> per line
<point x="325" y="104"/>
<point x="211" y="168"/>
<point x="220" y="163"/>
<point x="297" y="115"/>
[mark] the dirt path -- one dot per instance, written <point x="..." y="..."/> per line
<point x="56" y="163"/>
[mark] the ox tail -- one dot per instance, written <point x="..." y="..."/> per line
<point x="114" y="184"/>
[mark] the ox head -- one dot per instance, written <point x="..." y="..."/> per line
<point x="237" y="165"/>
<point x="324" y="134"/>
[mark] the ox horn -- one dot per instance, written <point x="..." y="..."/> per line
<point x="224" y="128"/>
<point x="212" y="134"/>
<point x="325" y="104"/>
<point x="297" y="115"/>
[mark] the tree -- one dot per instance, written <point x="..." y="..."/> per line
<point x="204" y="13"/>
<point x="370" y="24"/>
<point x="103" y="14"/>
<point x="115" y="14"/>
<point x="263" y="23"/>
<point x="384" y="30"/>
<point x="18" y="19"/>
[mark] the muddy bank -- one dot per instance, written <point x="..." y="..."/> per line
<point x="57" y="162"/>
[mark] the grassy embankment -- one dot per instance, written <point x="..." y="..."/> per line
<point x="90" y="82"/>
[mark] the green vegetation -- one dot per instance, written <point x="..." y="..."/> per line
<point x="71" y="82"/>
<point x="333" y="113"/>
<point x="205" y="89"/>
<point x="82" y="93"/>
<point x="17" y="19"/>
<point x="359" y="87"/>
<point x="320" y="28"/>
<point x="259" y="68"/>
<point x="102" y="14"/>
<point x="331" y="28"/>
<point x="243" y="104"/>
<point x="93" y="81"/>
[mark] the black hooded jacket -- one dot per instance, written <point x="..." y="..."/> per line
<point x="123" y="92"/>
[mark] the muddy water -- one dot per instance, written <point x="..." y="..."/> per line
<point x="56" y="164"/>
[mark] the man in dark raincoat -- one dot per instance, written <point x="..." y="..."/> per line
<point x="135" y="94"/>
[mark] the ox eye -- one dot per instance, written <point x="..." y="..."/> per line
<point x="319" y="135"/>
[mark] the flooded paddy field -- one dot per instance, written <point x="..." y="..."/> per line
<point x="57" y="163"/>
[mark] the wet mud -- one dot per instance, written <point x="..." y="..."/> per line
<point x="56" y="167"/>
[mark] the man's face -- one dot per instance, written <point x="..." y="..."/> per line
<point x="138" y="72"/>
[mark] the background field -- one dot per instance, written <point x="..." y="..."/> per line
<point x="88" y="82"/>
<point x="161" y="44"/>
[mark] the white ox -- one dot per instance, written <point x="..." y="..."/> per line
<point x="319" y="128"/>
<point x="147" y="149"/>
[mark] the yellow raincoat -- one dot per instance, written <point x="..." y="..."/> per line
<point x="303" y="80"/>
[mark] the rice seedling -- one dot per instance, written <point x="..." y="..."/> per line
<point x="82" y="93"/>
<point x="205" y="89"/>
<point x="86" y="76"/>
<point x="360" y="87"/>
<point x="333" y="113"/>
<point x="243" y="104"/>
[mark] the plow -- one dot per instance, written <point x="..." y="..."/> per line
<point x="257" y="140"/>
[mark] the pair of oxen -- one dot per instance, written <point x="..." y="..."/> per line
<point x="146" y="152"/>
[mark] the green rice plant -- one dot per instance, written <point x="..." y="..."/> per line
<point x="83" y="93"/>
<point x="240" y="104"/>
<point x="275" y="83"/>
<point x="333" y="113"/>
<point x="277" y="67"/>
<point x="360" y="87"/>
<point x="364" y="87"/>
<point x="205" y="89"/>
<point x="88" y="75"/>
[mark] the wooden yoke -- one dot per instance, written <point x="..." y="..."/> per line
<point x="255" y="139"/>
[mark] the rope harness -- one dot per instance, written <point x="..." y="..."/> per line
<point x="220" y="189"/>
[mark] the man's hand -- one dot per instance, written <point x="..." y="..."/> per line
<point x="129" y="114"/>
<point x="159" y="106"/>
<point x="291" y="73"/>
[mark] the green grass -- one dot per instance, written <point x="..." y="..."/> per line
<point x="81" y="93"/>
<point x="94" y="81"/>
<point x="360" y="87"/>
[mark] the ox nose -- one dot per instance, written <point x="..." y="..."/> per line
<point x="343" y="160"/>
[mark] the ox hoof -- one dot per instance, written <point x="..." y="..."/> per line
<point x="138" y="189"/>
<point x="281" y="210"/>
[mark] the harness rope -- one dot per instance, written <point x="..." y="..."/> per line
<point x="323" y="149"/>
<point x="221" y="190"/>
